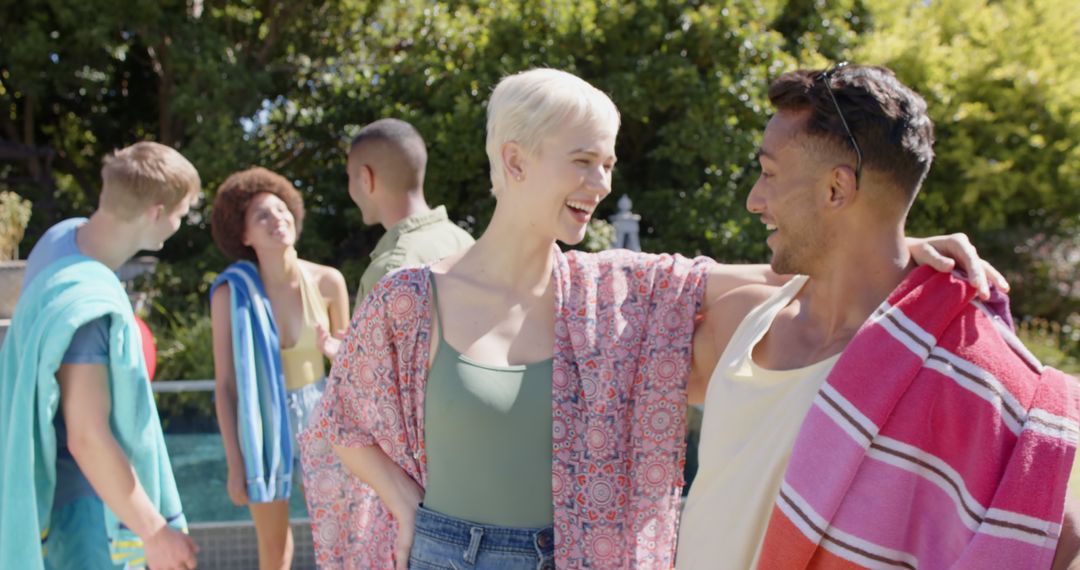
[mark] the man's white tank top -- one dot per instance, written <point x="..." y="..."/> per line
<point x="752" y="416"/>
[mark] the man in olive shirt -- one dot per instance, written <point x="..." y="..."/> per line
<point x="386" y="167"/>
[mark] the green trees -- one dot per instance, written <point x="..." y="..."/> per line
<point x="689" y="80"/>
<point x="284" y="84"/>
<point x="85" y="78"/>
<point x="1002" y="80"/>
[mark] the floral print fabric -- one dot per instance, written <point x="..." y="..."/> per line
<point x="623" y="331"/>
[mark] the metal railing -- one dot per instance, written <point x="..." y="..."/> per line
<point x="173" y="386"/>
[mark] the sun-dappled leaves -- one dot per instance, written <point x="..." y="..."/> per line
<point x="233" y="83"/>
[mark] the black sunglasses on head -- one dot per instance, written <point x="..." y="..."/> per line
<point x="826" y="78"/>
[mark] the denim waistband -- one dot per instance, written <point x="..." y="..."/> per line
<point x="468" y="534"/>
<point x="315" y="387"/>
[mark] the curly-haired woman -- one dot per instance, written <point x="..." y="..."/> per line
<point x="270" y="314"/>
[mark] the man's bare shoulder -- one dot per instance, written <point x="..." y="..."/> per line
<point x="731" y="308"/>
<point x="720" y="320"/>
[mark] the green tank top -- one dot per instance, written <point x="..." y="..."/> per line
<point x="488" y="439"/>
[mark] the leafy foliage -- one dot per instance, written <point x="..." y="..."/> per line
<point x="1006" y="104"/>
<point x="14" y="215"/>
<point x="285" y="84"/>
<point x="1053" y="343"/>
<point x="85" y="78"/>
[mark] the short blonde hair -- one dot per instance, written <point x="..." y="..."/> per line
<point x="528" y="107"/>
<point x="145" y="174"/>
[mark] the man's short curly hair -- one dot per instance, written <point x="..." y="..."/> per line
<point x="232" y="201"/>
<point x="888" y="119"/>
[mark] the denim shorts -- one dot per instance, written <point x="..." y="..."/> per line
<point x="447" y="543"/>
<point x="301" y="403"/>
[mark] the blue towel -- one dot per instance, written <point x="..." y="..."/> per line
<point x="67" y="294"/>
<point x="262" y="412"/>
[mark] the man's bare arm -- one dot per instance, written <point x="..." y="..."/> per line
<point x="725" y="278"/>
<point x="940" y="252"/>
<point x="85" y="403"/>
<point x="715" y="329"/>
<point x="704" y="355"/>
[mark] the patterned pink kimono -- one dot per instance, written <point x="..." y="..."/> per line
<point x="624" y="324"/>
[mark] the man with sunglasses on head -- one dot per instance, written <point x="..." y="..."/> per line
<point x="868" y="413"/>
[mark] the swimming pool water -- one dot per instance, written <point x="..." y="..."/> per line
<point x="198" y="461"/>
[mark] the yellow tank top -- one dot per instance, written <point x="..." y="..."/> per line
<point x="303" y="363"/>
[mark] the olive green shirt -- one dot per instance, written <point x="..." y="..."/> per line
<point x="417" y="240"/>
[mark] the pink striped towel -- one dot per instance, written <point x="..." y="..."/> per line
<point x="937" y="442"/>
